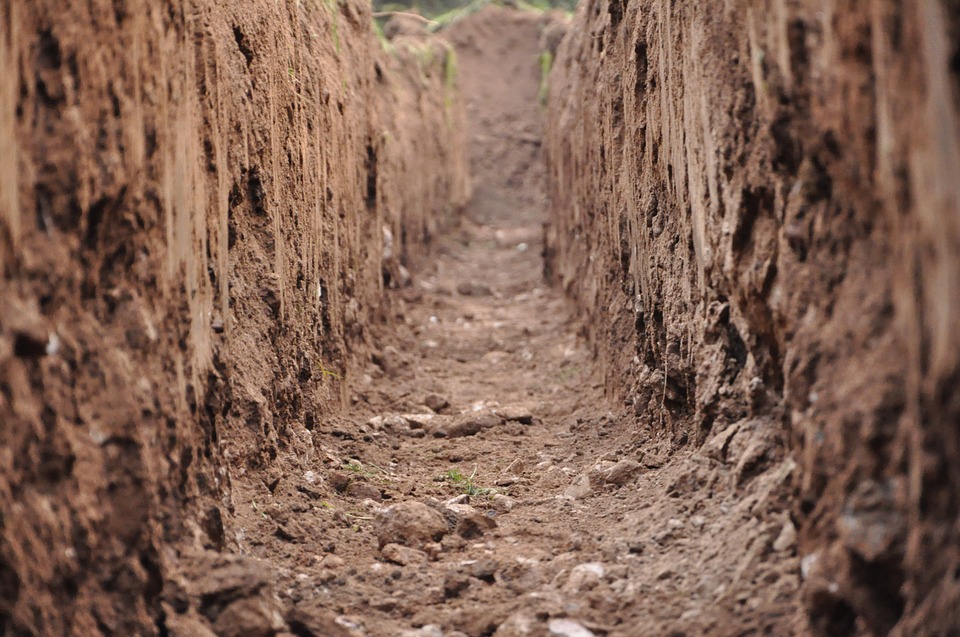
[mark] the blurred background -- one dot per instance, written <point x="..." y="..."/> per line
<point x="444" y="11"/>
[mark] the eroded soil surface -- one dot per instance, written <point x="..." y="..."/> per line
<point x="523" y="498"/>
<point x="482" y="483"/>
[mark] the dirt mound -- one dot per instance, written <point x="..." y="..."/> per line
<point x="756" y="207"/>
<point x="199" y="203"/>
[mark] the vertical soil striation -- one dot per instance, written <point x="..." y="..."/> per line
<point x="756" y="206"/>
<point x="259" y="376"/>
<point x="196" y="204"/>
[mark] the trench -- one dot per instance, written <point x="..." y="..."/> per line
<point x="482" y="481"/>
<point x="542" y="324"/>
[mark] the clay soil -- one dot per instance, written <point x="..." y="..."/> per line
<point x="483" y="410"/>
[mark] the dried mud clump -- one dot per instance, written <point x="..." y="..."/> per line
<point x="200" y="204"/>
<point x="757" y="206"/>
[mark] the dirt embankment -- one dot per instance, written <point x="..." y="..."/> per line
<point x="757" y="206"/>
<point x="199" y="205"/>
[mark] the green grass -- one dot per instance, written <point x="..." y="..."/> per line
<point x="546" y="65"/>
<point x="466" y="484"/>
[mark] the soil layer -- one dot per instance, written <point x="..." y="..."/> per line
<point x="755" y="205"/>
<point x="201" y="203"/>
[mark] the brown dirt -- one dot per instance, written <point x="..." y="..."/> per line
<point x="196" y="211"/>
<point x="674" y="540"/>
<point x="258" y="376"/>
<point x="755" y="207"/>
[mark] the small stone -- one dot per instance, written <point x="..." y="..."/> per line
<point x="390" y="422"/>
<point x="484" y="570"/>
<point x="403" y="555"/>
<point x="436" y="402"/>
<point x="470" y="288"/>
<point x="585" y="577"/>
<point x="516" y="467"/>
<point x="313" y="619"/>
<point x="385" y="604"/>
<point x="520" y="576"/>
<point x="519" y="624"/>
<point x="454" y="584"/>
<point x="390" y="360"/>
<point x="503" y="502"/>
<point x="470" y="522"/>
<point x="257" y="616"/>
<point x="622" y="472"/>
<point x="568" y="628"/>
<point x="419" y="421"/>
<point x="516" y="413"/>
<point x="470" y="424"/>
<point x="475" y="525"/>
<point x="363" y="490"/>
<point x="580" y="488"/>
<point x="410" y="524"/>
<point x="429" y="630"/>
<point x="787" y="538"/>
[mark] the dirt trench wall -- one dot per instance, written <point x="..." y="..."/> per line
<point x="199" y="204"/>
<point x="757" y="204"/>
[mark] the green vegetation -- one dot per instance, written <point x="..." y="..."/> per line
<point x="546" y="63"/>
<point x="442" y="13"/>
<point x="466" y="484"/>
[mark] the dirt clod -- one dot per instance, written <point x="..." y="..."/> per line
<point x="410" y="524"/>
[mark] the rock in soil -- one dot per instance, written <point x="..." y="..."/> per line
<point x="412" y="524"/>
<point x="622" y="472"/>
<point x="315" y="621"/>
<point x="403" y="555"/>
<point x="568" y="628"/>
<point x="436" y="402"/>
<point x="470" y="288"/>
<point x="516" y="413"/>
<point x="469" y="425"/>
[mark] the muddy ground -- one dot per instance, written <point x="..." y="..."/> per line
<point x="309" y="332"/>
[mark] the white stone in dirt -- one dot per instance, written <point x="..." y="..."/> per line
<point x="580" y="488"/>
<point x="568" y="628"/>
<point x="787" y="538"/>
<point x="419" y="421"/>
<point x="411" y="524"/>
<point x="403" y="555"/>
<point x="519" y="624"/>
<point x="387" y="422"/>
<point x="622" y="472"/>
<point x="585" y="577"/>
<point x="430" y="630"/>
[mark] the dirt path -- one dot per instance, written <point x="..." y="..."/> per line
<point x="483" y="484"/>
<point x="573" y="514"/>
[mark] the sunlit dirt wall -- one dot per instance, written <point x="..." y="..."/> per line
<point x="200" y="203"/>
<point x="757" y="204"/>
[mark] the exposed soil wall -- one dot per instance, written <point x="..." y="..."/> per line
<point x="756" y="204"/>
<point x="199" y="205"/>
